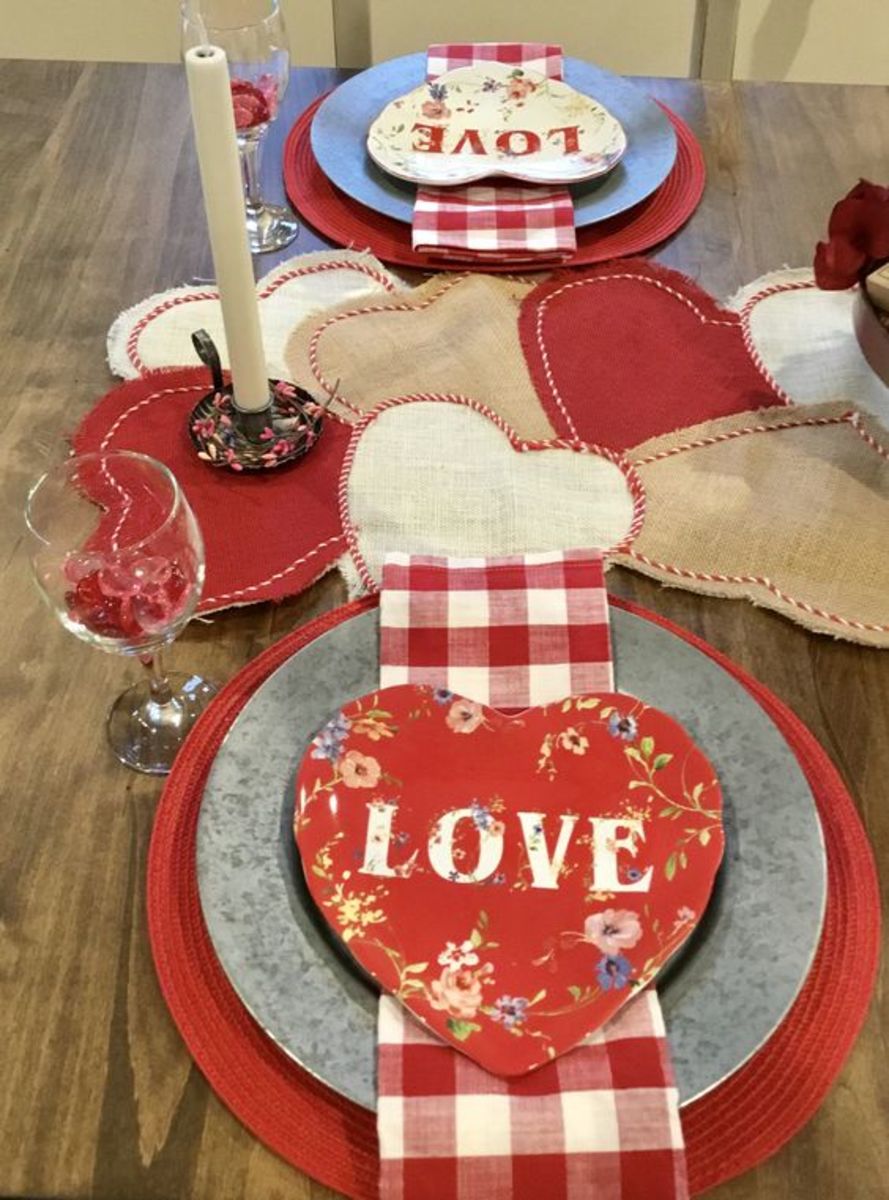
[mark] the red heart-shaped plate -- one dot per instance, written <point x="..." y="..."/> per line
<point x="512" y="880"/>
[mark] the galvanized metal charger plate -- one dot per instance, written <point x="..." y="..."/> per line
<point x="339" y="136"/>
<point x="722" y="997"/>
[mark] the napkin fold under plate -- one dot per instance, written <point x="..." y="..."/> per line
<point x="504" y="222"/>
<point x="602" y="1121"/>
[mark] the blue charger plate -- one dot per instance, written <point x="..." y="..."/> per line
<point x="339" y="137"/>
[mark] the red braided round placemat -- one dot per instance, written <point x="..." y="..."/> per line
<point x="348" y="223"/>
<point x="728" y="1131"/>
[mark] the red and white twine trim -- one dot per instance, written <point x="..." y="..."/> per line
<point x="209" y="602"/>
<point x="366" y="310"/>
<point x="851" y="417"/>
<point x="732" y="321"/>
<point x="282" y="574"/>
<point x="752" y="349"/>
<point x="197" y="389"/>
<point x="760" y="581"/>
<point x="634" y="482"/>
<point x="132" y="344"/>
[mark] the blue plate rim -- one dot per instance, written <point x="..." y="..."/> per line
<point x="344" y="159"/>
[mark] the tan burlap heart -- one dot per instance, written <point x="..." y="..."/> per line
<point x="786" y="506"/>
<point x="457" y="333"/>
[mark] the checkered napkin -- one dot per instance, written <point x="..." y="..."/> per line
<point x="479" y="223"/>
<point x="602" y="1121"/>
<point x="509" y="632"/>
<point x="599" y="1123"/>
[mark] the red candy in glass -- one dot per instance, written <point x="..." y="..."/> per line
<point x="253" y="104"/>
<point x="124" y="601"/>
<point x="118" y="556"/>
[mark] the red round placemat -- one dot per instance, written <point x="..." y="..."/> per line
<point x="728" y="1131"/>
<point x="348" y="223"/>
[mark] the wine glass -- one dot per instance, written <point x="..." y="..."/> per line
<point x="252" y="34"/>
<point x="118" y="557"/>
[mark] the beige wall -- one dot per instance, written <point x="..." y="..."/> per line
<point x="844" y="41"/>
<point x="137" y="30"/>
<point x="827" y="41"/>
<point x="640" y="37"/>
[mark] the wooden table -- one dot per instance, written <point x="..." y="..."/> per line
<point x="102" y="206"/>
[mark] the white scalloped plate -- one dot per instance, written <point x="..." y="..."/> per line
<point x="495" y="119"/>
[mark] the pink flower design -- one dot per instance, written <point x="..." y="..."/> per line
<point x="435" y="110"/>
<point x="204" y="428"/>
<point x="457" y="992"/>
<point x="464" y="716"/>
<point x="359" y="770"/>
<point x="519" y="87"/>
<point x="612" y="930"/>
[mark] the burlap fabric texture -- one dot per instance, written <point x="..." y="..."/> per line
<point x="454" y="334"/>
<point x="788" y="507"/>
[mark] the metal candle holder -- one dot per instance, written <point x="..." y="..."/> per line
<point x="225" y="435"/>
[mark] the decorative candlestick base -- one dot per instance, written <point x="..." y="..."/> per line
<point x="225" y="435"/>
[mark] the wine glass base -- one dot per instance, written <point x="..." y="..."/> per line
<point x="146" y="736"/>
<point x="270" y="227"/>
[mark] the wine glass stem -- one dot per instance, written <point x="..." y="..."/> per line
<point x="251" y="162"/>
<point x="161" y="692"/>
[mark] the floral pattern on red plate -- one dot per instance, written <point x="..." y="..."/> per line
<point x="512" y="880"/>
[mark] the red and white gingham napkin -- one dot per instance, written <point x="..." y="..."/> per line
<point x="602" y="1121"/>
<point x="599" y="1123"/>
<point x="479" y="223"/>
<point x="533" y="56"/>
<point x="509" y="632"/>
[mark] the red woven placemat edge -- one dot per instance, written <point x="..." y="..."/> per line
<point x="769" y="1099"/>
<point x="345" y="221"/>
<point x="728" y="1131"/>
<point x="305" y="1122"/>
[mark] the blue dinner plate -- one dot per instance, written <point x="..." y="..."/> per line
<point x="339" y="136"/>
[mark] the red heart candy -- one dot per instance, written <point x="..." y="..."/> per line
<point x="250" y="104"/>
<point x="514" y="881"/>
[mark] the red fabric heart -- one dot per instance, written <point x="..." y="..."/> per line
<point x="266" y="536"/>
<point x="622" y="353"/>
<point x="512" y="880"/>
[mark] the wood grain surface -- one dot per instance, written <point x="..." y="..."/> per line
<point x="101" y="206"/>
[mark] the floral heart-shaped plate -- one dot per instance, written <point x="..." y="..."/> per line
<point x="512" y="880"/>
<point x="495" y="119"/>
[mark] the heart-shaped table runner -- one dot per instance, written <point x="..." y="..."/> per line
<point x="271" y="537"/>
<point x="623" y="353"/>
<point x="266" y="535"/>
<point x="512" y="880"/>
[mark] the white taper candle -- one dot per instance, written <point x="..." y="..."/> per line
<point x="214" y="130"/>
